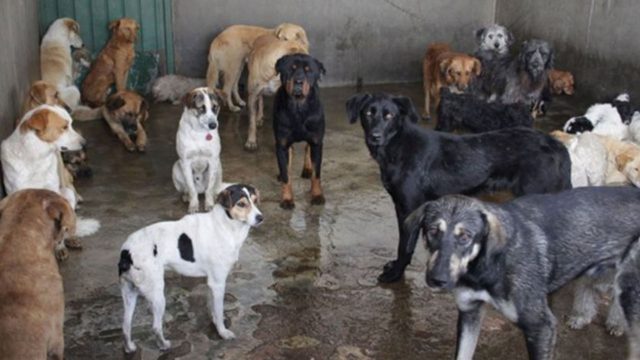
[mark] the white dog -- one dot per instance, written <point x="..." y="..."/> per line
<point x="174" y="87"/>
<point x="590" y="161"/>
<point x="198" y="170"/>
<point x="30" y="156"/>
<point x="602" y="119"/>
<point x="198" y="245"/>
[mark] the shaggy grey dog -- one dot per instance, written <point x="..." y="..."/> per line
<point x="173" y="87"/>
<point x="494" y="42"/>
<point x="527" y="75"/>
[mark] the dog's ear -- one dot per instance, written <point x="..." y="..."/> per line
<point x="114" y="103"/>
<point x="321" y="68"/>
<point x="551" y="60"/>
<point x="622" y="160"/>
<point x="479" y="34"/>
<point x="301" y="37"/>
<point x="477" y="67"/>
<point x="38" y="93"/>
<point x="493" y="233"/>
<point x="522" y="55"/>
<point x="355" y="104"/>
<point x="114" y="24"/>
<point x="406" y="108"/>
<point x="224" y="199"/>
<point x="72" y="25"/>
<point x="281" y="66"/>
<point x="37" y="122"/>
<point x="413" y="224"/>
<point x="511" y="39"/>
<point x="63" y="216"/>
<point x="444" y="65"/>
<point x="216" y="96"/>
<point x="192" y="99"/>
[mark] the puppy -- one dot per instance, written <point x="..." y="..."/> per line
<point x="527" y="76"/>
<point x="513" y="255"/>
<point x="263" y="78"/>
<point x="589" y="158"/>
<point x="623" y="105"/>
<point x="198" y="245"/>
<point x="441" y="68"/>
<point x="126" y="112"/>
<point x="602" y="119"/>
<point x="493" y="42"/>
<point x="55" y="58"/>
<point x="198" y="169"/>
<point x="229" y="51"/>
<point x="417" y="165"/>
<point x="298" y="116"/>
<point x="33" y="223"/>
<point x="112" y="64"/>
<point x="173" y="88"/>
<point x="468" y="112"/>
<point x="561" y="82"/>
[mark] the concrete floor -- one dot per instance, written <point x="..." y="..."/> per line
<point x="305" y="285"/>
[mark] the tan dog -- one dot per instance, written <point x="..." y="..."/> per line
<point x="263" y="78"/>
<point x="561" y="82"/>
<point x="125" y="112"/>
<point x="112" y="64"/>
<point x="229" y="50"/>
<point x="626" y="161"/>
<point x="442" y="67"/>
<point x="33" y="223"/>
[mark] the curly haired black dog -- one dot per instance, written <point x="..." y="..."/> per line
<point x="468" y="112"/>
<point x="527" y="75"/>
<point x="298" y="116"/>
<point x="417" y="165"/>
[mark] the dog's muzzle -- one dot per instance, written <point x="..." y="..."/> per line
<point x="375" y="139"/>
<point x="298" y="88"/>
<point x="212" y="125"/>
<point x="496" y="45"/>
<point x="436" y="283"/>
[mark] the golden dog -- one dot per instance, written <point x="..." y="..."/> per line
<point x="443" y="67"/>
<point x="229" y="50"/>
<point x="112" y="64"/>
<point x="33" y="223"/>
<point x="263" y="78"/>
<point x="125" y="112"/>
<point x="561" y="82"/>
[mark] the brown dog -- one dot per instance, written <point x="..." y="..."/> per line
<point x="33" y="223"/>
<point x="263" y="78"/>
<point x="41" y="92"/>
<point x="561" y="82"/>
<point x="442" y="67"/>
<point x="112" y="64"/>
<point x="125" y="112"/>
<point x="229" y="50"/>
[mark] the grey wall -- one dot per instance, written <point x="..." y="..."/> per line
<point x="378" y="40"/>
<point x="595" y="39"/>
<point x="19" y="59"/>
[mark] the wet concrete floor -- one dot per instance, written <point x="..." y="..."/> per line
<point x="305" y="285"/>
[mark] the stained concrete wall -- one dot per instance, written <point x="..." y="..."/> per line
<point x="595" y="39"/>
<point x="20" y="59"/>
<point x="377" y="40"/>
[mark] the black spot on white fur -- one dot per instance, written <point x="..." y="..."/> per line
<point x="185" y="246"/>
<point x="155" y="250"/>
<point x="125" y="262"/>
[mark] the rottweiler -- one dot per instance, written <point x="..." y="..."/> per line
<point x="298" y="116"/>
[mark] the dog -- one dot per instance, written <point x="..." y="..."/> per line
<point x="527" y="76"/>
<point x="561" y="82"/>
<point x="198" y="245"/>
<point x="441" y="68"/>
<point x="602" y="119"/>
<point x="514" y="255"/>
<point x="56" y="63"/>
<point x="298" y="116"/>
<point x="198" y="169"/>
<point x="493" y="42"/>
<point x="469" y="112"/>
<point x="623" y="105"/>
<point x="173" y="88"/>
<point x="33" y="223"/>
<point x="229" y="51"/>
<point x="125" y="111"/>
<point x="112" y="64"/>
<point x="590" y="163"/>
<point x="263" y="78"/>
<point x="417" y="165"/>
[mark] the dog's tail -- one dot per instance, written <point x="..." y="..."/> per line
<point x="86" y="226"/>
<point x="212" y="73"/>
<point x="85" y="113"/>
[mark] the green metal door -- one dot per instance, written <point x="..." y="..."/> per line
<point x="155" y="40"/>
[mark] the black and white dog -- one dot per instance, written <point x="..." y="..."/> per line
<point x="417" y="165"/>
<point x="494" y="42"/>
<point x="198" y="245"/>
<point x="469" y="112"/>
<point x="513" y="255"/>
<point x="609" y="119"/>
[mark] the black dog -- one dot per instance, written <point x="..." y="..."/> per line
<point x="298" y="116"/>
<point x="514" y="255"/>
<point x="468" y="112"/>
<point x="527" y="75"/>
<point x="417" y="165"/>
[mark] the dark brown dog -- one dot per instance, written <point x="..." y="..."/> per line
<point x="32" y="224"/>
<point x="125" y="112"/>
<point x="561" y="82"/>
<point x="443" y="67"/>
<point x="112" y="64"/>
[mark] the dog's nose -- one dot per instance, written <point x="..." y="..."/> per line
<point x="64" y="148"/>
<point x="376" y="136"/>
<point x="496" y="45"/>
<point x="213" y="126"/>
<point x="259" y="219"/>
<point x="435" y="282"/>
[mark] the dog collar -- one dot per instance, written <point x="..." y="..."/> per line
<point x="209" y="137"/>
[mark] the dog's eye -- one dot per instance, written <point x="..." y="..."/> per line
<point x="464" y="238"/>
<point x="500" y="36"/>
<point x="214" y="108"/>
<point x="66" y="127"/>
<point x="433" y="231"/>
<point x="241" y="205"/>
<point x="389" y="116"/>
<point x="306" y="69"/>
<point x="490" y="36"/>
<point x="368" y="113"/>
<point x="293" y="67"/>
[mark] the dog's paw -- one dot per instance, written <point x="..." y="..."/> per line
<point x="234" y="108"/>
<point x="577" y="322"/>
<point x="251" y="146"/>
<point x="193" y="208"/>
<point x="130" y="348"/>
<point x="287" y="204"/>
<point x="317" y="200"/>
<point x="226" y="334"/>
<point x="141" y="148"/>
<point x="426" y="117"/>
<point x="73" y="243"/>
<point x="130" y="147"/>
<point x="164" y="345"/>
<point x="306" y="173"/>
<point x="208" y="206"/>
<point x="62" y="253"/>
<point x="391" y="272"/>
<point x="241" y="103"/>
<point x="615" y="329"/>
